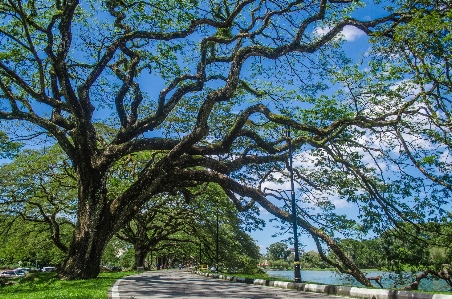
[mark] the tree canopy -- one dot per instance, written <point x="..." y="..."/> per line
<point x="206" y="88"/>
<point x="278" y="251"/>
<point x="7" y="147"/>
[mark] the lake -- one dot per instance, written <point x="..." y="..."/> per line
<point x="388" y="278"/>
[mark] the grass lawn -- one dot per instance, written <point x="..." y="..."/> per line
<point x="45" y="285"/>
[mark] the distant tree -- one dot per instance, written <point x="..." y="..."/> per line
<point x="311" y="259"/>
<point x="160" y="222"/>
<point x="179" y="217"/>
<point x="278" y="264"/>
<point x="113" y="255"/>
<point x="278" y="251"/>
<point x="241" y="253"/>
<point x="365" y="253"/>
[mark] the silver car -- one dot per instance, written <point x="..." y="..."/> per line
<point x="9" y="273"/>
<point x="48" y="269"/>
<point x="21" y="271"/>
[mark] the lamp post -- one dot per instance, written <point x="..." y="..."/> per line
<point x="200" y="253"/>
<point x="296" y="261"/>
<point x="216" y="247"/>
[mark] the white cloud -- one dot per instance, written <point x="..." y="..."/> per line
<point x="349" y="33"/>
<point x="319" y="31"/>
<point x="352" y="33"/>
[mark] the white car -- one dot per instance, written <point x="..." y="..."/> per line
<point x="48" y="269"/>
<point x="9" y="273"/>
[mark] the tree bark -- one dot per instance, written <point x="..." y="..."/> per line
<point x="140" y="256"/>
<point x="94" y="229"/>
<point x="85" y="254"/>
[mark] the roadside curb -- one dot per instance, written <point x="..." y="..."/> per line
<point x="331" y="289"/>
<point x="113" y="293"/>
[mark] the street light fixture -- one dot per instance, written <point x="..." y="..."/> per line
<point x="216" y="247"/>
<point x="296" y="261"/>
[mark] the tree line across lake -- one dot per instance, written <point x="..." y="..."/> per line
<point x="384" y="253"/>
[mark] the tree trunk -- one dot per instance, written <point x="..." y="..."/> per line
<point x="93" y="231"/>
<point x="140" y="256"/>
<point x="85" y="254"/>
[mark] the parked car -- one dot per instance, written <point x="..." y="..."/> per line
<point x="21" y="271"/>
<point x="48" y="269"/>
<point x="9" y="274"/>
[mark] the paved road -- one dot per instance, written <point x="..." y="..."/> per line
<point x="181" y="284"/>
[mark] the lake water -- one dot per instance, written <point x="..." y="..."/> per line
<point x="388" y="278"/>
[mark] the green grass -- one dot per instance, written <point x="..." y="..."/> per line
<point x="45" y="285"/>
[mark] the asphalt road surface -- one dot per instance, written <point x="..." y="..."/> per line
<point x="181" y="284"/>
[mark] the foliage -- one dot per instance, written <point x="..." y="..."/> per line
<point x="114" y="256"/>
<point x="311" y="259"/>
<point x="205" y="88"/>
<point x="279" y="264"/>
<point x="28" y="243"/>
<point x="38" y="186"/>
<point x="366" y="253"/>
<point x="238" y="250"/>
<point x="8" y="148"/>
<point x="278" y="251"/>
<point x="427" y="249"/>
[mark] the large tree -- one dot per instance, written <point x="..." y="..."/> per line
<point x="207" y="86"/>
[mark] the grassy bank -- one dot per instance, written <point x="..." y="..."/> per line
<point x="45" y="285"/>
